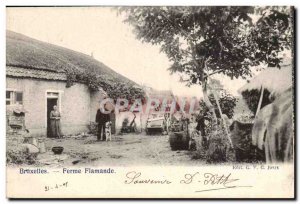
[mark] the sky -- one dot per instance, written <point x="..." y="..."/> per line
<point x="99" y="30"/>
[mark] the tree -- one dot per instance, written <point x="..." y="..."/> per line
<point x="227" y="103"/>
<point x="203" y="41"/>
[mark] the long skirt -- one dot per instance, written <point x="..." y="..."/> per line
<point x="55" y="128"/>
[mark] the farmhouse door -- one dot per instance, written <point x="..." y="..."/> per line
<point x="50" y="103"/>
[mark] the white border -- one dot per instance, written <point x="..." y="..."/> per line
<point x="3" y="4"/>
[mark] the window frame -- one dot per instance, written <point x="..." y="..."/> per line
<point x="13" y="99"/>
<point x="10" y="99"/>
<point x="16" y="102"/>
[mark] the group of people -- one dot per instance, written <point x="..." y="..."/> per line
<point x="55" y="127"/>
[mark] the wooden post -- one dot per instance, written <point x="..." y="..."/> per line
<point x="260" y="100"/>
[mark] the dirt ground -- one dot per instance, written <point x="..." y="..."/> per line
<point x="123" y="150"/>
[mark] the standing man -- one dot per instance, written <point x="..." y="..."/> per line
<point x="101" y="119"/>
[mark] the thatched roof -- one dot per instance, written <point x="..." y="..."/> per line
<point x="37" y="59"/>
<point x="241" y="107"/>
<point x="20" y="72"/>
<point x="273" y="79"/>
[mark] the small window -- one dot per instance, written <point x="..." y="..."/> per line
<point x="8" y="94"/>
<point x="19" y="98"/>
<point x="14" y="97"/>
<point x="9" y="97"/>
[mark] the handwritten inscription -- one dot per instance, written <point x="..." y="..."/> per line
<point x="135" y="178"/>
<point x="210" y="181"/>
<point x="203" y="181"/>
<point x="56" y="186"/>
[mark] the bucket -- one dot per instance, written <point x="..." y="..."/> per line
<point x="41" y="146"/>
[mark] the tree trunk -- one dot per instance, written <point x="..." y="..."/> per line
<point x="223" y="119"/>
<point x="208" y="103"/>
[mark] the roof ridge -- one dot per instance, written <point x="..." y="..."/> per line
<point x="36" y="68"/>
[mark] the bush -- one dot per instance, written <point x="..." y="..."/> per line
<point x="215" y="145"/>
<point x="219" y="149"/>
<point x="19" y="157"/>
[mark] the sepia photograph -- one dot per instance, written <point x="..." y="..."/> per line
<point x="172" y="96"/>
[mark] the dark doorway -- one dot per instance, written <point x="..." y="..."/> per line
<point x="50" y="103"/>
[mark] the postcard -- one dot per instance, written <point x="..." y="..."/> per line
<point x="173" y="102"/>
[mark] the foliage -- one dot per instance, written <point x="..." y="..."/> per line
<point x="252" y="98"/>
<point x="115" y="86"/>
<point x="273" y="33"/>
<point x="19" y="157"/>
<point x="203" y="41"/>
<point x="115" y="89"/>
<point x="215" y="147"/>
<point x="227" y="104"/>
<point x="227" y="38"/>
<point x="219" y="149"/>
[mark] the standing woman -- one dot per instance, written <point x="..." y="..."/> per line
<point x="55" y="123"/>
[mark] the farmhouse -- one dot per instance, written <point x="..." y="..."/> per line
<point x="40" y="75"/>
